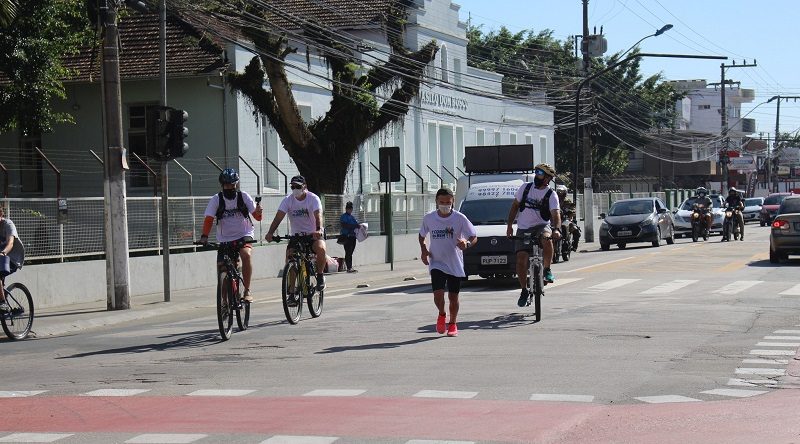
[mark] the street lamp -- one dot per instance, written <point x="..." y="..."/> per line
<point x="587" y="180"/>
<point x="660" y="31"/>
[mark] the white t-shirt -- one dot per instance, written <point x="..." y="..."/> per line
<point x="444" y="235"/>
<point x="301" y="212"/>
<point x="532" y="216"/>
<point x="232" y="225"/>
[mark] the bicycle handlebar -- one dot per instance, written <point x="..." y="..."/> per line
<point x="306" y="237"/>
<point x="218" y="245"/>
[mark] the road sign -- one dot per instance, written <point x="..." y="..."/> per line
<point x="389" y="163"/>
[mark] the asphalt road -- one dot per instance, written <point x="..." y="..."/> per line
<point x="633" y="344"/>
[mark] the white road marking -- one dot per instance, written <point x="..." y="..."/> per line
<point x="760" y="371"/>
<point x="669" y="287"/>
<point x="335" y="392"/>
<point x="736" y="393"/>
<point x="666" y="398"/>
<point x="116" y="392"/>
<point x="34" y="437"/>
<point x="598" y="265"/>
<point x="445" y="394"/>
<point x="788" y="332"/>
<point x="20" y="393"/>
<point x="165" y="438"/>
<point x="794" y="291"/>
<point x="778" y="344"/>
<point x="561" y="281"/>
<point x="289" y="439"/>
<point x="782" y="338"/>
<point x="558" y="397"/>
<point x="751" y="382"/>
<point x="736" y="287"/>
<point x="220" y="392"/>
<point x="772" y="352"/>
<point x="433" y="441"/>
<point x="765" y="361"/>
<point x="608" y="285"/>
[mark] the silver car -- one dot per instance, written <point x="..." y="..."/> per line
<point x="683" y="215"/>
<point x="752" y="207"/>
<point x="784" y="236"/>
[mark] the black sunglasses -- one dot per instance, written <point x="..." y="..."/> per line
<point x="296" y="187"/>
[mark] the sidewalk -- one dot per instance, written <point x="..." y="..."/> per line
<point x="74" y="318"/>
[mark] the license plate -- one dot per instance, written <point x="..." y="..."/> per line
<point x="797" y="226"/>
<point x="494" y="260"/>
<point x="624" y="233"/>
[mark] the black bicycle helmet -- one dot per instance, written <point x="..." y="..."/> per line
<point x="228" y="175"/>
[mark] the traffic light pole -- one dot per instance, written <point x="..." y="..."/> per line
<point x="724" y="159"/>
<point x="162" y="16"/>
<point x="115" y="166"/>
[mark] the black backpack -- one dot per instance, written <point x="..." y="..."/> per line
<point x="544" y="209"/>
<point x="239" y="204"/>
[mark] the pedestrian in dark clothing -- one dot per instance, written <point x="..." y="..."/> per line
<point x="349" y="225"/>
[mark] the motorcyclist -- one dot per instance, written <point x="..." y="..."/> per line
<point x="568" y="215"/>
<point x="703" y="201"/>
<point x="734" y="200"/>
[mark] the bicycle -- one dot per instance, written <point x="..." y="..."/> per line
<point x="229" y="287"/>
<point x="535" y="273"/>
<point x="300" y="279"/>
<point x="17" y="322"/>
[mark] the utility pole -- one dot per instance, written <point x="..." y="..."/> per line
<point x="588" y="191"/>
<point x="116" y="163"/>
<point x="723" y="155"/>
<point x="162" y="59"/>
<point x="777" y="135"/>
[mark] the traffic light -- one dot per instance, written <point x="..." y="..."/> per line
<point x="176" y="121"/>
<point x="157" y="131"/>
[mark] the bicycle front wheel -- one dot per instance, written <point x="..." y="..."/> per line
<point x="538" y="290"/>
<point x="315" y="299"/>
<point x="242" y="310"/>
<point x="18" y="321"/>
<point x="291" y="292"/>
<point x="224" y="308"/>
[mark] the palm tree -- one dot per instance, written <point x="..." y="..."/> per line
<point x="8" y="10"/>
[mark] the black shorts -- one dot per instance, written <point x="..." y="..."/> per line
<point x="537" y="232"/>
<point x="443" y="281"/>
<point x="243" y="239"/>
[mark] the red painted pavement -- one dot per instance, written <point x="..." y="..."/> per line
<point x="773" y="417"/>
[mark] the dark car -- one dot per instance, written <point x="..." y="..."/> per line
<point x="784" y="237"/>
<point x="770" y="207"/>
<point x="636" y="220"/>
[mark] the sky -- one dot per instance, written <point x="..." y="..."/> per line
<point x="765" y="31"/>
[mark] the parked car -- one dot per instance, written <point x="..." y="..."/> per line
<point x="752" y="208"/>
<point x="636" y="220"/>
<point x="770" y="207"/>
<point x="683" y="215"/>
<point x="784" y="237"/>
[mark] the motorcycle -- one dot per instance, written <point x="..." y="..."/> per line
<point x="562" y="247"/>
<point x="699" y="226"/>
<point x="731" y="224"/>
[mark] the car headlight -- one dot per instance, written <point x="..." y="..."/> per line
<point x="604" y="225"/>
<point x="728" y="213"/>
<point x="646" y="222"/>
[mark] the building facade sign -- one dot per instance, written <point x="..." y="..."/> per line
<point x="443" y="101"/>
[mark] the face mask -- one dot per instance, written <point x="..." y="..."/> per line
<point x="538" y="181"/>
<point x="297" y="193"/>
<point x="445" y="209"/>
<point x="229" y="194"/>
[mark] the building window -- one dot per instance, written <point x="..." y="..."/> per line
<point x="457" y="71"/>
<point x="443" y="63"/>
<point x="480" y="137"/>
<point x="498" y="138"/>
<point x="512" y="138"/>
<point x="138" y="144"/>
<point x="542" y="149"/>
<point x="703" y="106"/>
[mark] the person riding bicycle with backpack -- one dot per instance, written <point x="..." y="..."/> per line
<point x="11" y="254"/>
<point x="734" y="200"/>
<point x="703" y="201"/>
<point x="568" y="215"/>
<point x="305" y="217"/>
<point x="232" y="209"/>
<point x="539" y="215"/>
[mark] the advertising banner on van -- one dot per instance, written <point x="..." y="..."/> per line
<point x="493" y="190"/>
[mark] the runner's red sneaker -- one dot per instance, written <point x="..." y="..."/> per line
<point x="452" y="330"/>
<point x="440" y="324"/>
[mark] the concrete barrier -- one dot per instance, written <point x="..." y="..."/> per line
<point x="79" y="282"/>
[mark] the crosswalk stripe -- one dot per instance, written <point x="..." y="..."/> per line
<point x="778" y="344"/>
<point x="737" y="287"/>
<point x="335" y="392"/>
<point x="289" y="439"/>
<point x="773" y="352"/>
<point x="433" y="441"/>
<point x="781" y="338"/>
<point x="788" y="332"/>
<point x="20" y="393"/>
<point x="561" y="281"/>
<point x="766" y="361"/>
<point x="669" y="287"/>
<point x="34" y="437"/>
<point x="666" y="398"/>
<point x="751" y="382"/>
<point x="166" y="438"/>
<point x="760" y="371"/>
<point x="558" y="397"/>
<point x="794" y="291"/>
<point x="608" y="285"/>
<point x="736" y="393"/>
<point x="445" y="394"/>
<point x="116" y="392"/>
<point x="220" y="392"/>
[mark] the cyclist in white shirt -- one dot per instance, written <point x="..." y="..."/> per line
<point x="305" y="217"/>
<point x="542" y="219"/>
<point x="232" y="210"/>
<point x="450" y="233"/>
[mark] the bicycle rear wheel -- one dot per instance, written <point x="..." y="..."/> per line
<point x="538" y="290"/>
<point x="242" y="310"/>
<point x="315" y="299"/>
<point x="291" y="291"/>
<point x="18" y="321"/>
<point x="224" y="309"/>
